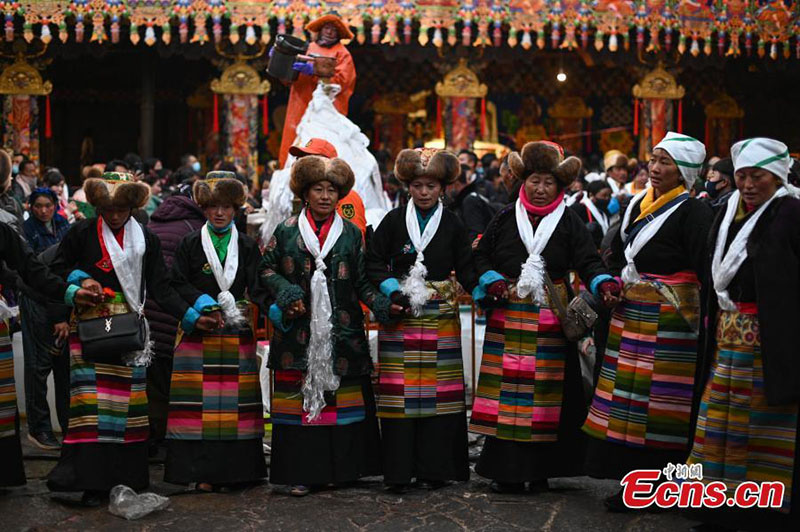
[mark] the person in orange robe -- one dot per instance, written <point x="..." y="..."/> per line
<point x="330" y="29"/>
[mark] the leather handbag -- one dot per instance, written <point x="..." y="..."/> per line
<point x="112" y="336"/>
<point x="578" y="318"/>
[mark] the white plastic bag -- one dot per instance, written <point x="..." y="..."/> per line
<point x="126" y="503"/>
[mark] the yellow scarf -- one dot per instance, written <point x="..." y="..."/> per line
<point x="650" y="204"/>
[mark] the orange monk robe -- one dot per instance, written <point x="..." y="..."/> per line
<point x="351" y="208"/>
<point x="303" y="88"/>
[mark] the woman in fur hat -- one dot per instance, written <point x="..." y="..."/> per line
<point x="421" y="393"/>
<point x="640" y="414"/>
<point x="323" y="409"/>
<point x="747" y="425"/>
<point x="530" y="402"/>
<point x="215" y="439"/>
<point x="113" y="255"/>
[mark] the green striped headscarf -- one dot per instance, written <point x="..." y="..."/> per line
<point x="687" y="152"/>
<point x="760" y="152"/>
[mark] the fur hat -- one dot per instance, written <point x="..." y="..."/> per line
<point x="116" y="189"/>
<point x="440" y="165"/>
<point x="613" y="158"/>
<point x="543" y="158"/>
<point x="219" y="188"/>
<point x="5" y="170"/>
<point x="312" y="169"/>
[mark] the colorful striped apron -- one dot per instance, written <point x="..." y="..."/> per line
<point x="342" y="407"/>
<point x="8" y="392"/>
<point x="521" y="383"/>
<point x="643" y="397"/>
<point x="215" y="391"/>
<point x="108" y="402"/>
<point x="420" y="363"/>
<point x="739" y="436"/>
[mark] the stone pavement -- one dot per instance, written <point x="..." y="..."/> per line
<point x="571" y="504"/>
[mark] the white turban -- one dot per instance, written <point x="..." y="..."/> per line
<point x="687" y="152"/>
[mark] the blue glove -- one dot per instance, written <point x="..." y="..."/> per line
<point x="304" y="68"/>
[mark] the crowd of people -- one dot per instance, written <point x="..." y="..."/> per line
<point x="690" y="264"/>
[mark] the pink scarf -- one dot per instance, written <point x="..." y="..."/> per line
<point x="539" y="211"/>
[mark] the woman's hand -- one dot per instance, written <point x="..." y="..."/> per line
<point x="296" y="310"/>
<point x="92" y="286"/>
<point x="398" y="310"/>
<point x="206" y="323"/>
<point x="87" y="297"/>
<point x="497" y="292"/>
<point x="217" y="316"/>
<point x="610" y="290"/>
<point x="61" y="331"/>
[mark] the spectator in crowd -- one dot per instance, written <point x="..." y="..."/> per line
<point x="25" y="181"/>
<point x="473" y="208"/>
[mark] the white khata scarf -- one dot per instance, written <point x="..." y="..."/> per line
<point x="128" y="261"/>
<point x="599" y="217"/>
<point x="224" y="276"/>
<point x="531" y="278"/>
<point x="725" y="265"/>
<point x="319" y="375"/>
<point x="630" y="274"/>
<point x="414" y="284"/>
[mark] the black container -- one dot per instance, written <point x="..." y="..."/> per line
<point x="287" y="48"/>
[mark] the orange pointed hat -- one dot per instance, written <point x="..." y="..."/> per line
<point x="332" y="18"/>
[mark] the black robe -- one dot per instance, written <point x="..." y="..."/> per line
<point x="570" y="248"/>
<point x="448" y="251"/>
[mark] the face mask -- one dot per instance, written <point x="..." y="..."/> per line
<point x="196" y="166"/>
<point x="15" y="169"/>
<point x="602" y="204"/>
<point x="711" y="188"/>
<point x="613" y="206"/>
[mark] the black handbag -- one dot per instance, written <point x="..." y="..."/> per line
<point x="113" y="335"/>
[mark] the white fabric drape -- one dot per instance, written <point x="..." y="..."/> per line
<point x="414" y="284"/>
<point x="225" y="276"/>
<point x="531" y="278"/>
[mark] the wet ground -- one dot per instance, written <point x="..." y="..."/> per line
<point x="570" y="504"/>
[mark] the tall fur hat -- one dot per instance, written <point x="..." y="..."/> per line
<point x="312" y="169"/>
<point x="5" y="170"/>
<point x="219" y="188"/>
<point x="543" y="158"/>
<point x="440" y="165"/>
<point x="116" y="189"/>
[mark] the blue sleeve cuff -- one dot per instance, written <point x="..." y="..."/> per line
<point x="478" y="294"/>
<point x="389" y="287"/>
<point x="276" y="317"/>
<point x="69" y="295"/>
<point x="597" y="281"/>
<point x="204" y="303"/>
<point x="189" y="320"/>
<point x="77" y="277"/>
<point x="489" y="277"/>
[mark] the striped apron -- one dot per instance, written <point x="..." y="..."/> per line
<point x="215" y="391"/>
<point x="420" y="363"/>
<point x="8" y="393"/>
<point x="108" y="401"/>
<point x="521" y="383"/>
<point x="739" y="437"/>
<point x="342" y="407"/>
<point x="643" y="397"/>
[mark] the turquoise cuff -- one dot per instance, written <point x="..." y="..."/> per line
<point x="488" y="278"/>
<point x="478" y="293"/>
<point x="389" y="287"/>
<point x="77" y="277"/>
<point x="597" y="281"/>
<point x="69" y="295"/>
<point x="189" y="320"/>
<point x="205" y="303"/>
<point x="276" y="317"/>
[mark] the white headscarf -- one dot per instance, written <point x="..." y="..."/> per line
<point x="770" y="154"/>
<point x="687" y="152"/>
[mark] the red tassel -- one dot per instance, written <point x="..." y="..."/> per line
<point x="48" y="125"/>
<point x="680" y="116"/>
<point x="215" y="123"/>
<point x="635" y="116"/>
<point x="265" y="116"/>
<point x="438" y="118"/>
<point x="483" y="118"/>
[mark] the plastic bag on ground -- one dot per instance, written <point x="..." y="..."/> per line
<point x="126" y="503"/>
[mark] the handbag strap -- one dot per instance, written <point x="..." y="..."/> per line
<point x="560" y="309"/>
